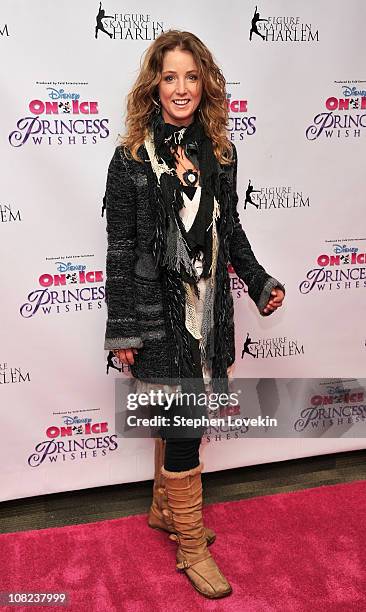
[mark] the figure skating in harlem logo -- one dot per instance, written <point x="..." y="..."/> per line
<point x="275" y="197"/>
<point x="281" y="28"/>
<point x="248" y="341"/>
<point x="254" y="27"/>
<point x="127" y="26"/>
<point x="9" y="214"/>
<point x="114" y="364"/>
<point x="248" y="195"/>
<point x="111" y="363"/>
<point x="271" y="347"/>
<point x="100" y="25"/>
<point x="4" y="30"/>
<point x="12" y="374"/>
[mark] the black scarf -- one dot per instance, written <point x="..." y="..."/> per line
<point x="183" y="348"/>
<point x="198" y="149"/>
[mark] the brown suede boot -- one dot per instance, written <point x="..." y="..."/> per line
<point x="184" y="492"/>
<point x="160" y="517"/>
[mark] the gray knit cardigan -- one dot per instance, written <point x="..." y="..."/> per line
<point x="135" y="291"/>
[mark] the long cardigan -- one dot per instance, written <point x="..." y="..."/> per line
<point x="147" y="311"/>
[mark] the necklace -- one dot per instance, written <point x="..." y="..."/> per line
<point x="190" y="176"/>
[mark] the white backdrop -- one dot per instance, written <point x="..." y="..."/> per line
<point x="297" y="94"/>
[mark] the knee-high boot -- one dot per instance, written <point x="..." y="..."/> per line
<point x="160" y="516"/>
<point x="184" y="493"/>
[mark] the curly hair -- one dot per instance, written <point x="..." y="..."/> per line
<point x="142" y="99"/>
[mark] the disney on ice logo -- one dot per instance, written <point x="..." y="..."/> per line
<point x="344" y="116"/>
<point x="75" y="426"/>
<point x="281" y="29"/>
<point x="271" y="347"/>
<point x="41" y="126"/>
<point x="52" y="298"/>
<point x="240" y="124"/>
<point x="342" y="269"/>
<point x="338" y="407"/>
<point x="127" y="26"/>
<point x="70" y="449"/>
<point x="276" y="197"/>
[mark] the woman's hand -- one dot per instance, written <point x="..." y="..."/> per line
<point x="275" y="301"/>
<point x="125" y="356"/>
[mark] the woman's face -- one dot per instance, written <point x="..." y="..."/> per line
<point x="180" y="88"/>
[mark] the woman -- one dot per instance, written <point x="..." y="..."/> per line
<point x="173" y="228"/>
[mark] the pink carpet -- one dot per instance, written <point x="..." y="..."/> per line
<point x="292" y="552"/>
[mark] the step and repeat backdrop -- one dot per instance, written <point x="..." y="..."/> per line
<point x="296" y="91"/>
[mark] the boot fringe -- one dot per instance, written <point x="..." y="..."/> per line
<point x="180" y="475"/>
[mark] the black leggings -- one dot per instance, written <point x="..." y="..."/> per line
<point x="181" y="454"/>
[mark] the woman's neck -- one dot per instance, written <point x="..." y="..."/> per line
<point x="179" y="125"/>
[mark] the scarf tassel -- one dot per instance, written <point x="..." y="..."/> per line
<point x="180" y="349"/>
<point x="176" y="254"/>
<point x="206" y="342"/>
<point x="159" y="238"/>
<point x="222" y="294"/>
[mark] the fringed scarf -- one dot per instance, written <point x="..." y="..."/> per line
<point x="182" y="247"/>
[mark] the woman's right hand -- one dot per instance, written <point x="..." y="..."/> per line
<point x="125" y="356"/>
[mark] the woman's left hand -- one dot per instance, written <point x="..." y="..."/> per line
<point x="275" y="301"/>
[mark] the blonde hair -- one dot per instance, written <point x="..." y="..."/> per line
<point x="142" y="99"/>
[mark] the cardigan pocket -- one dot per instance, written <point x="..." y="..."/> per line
<point x="149" y="307"/>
